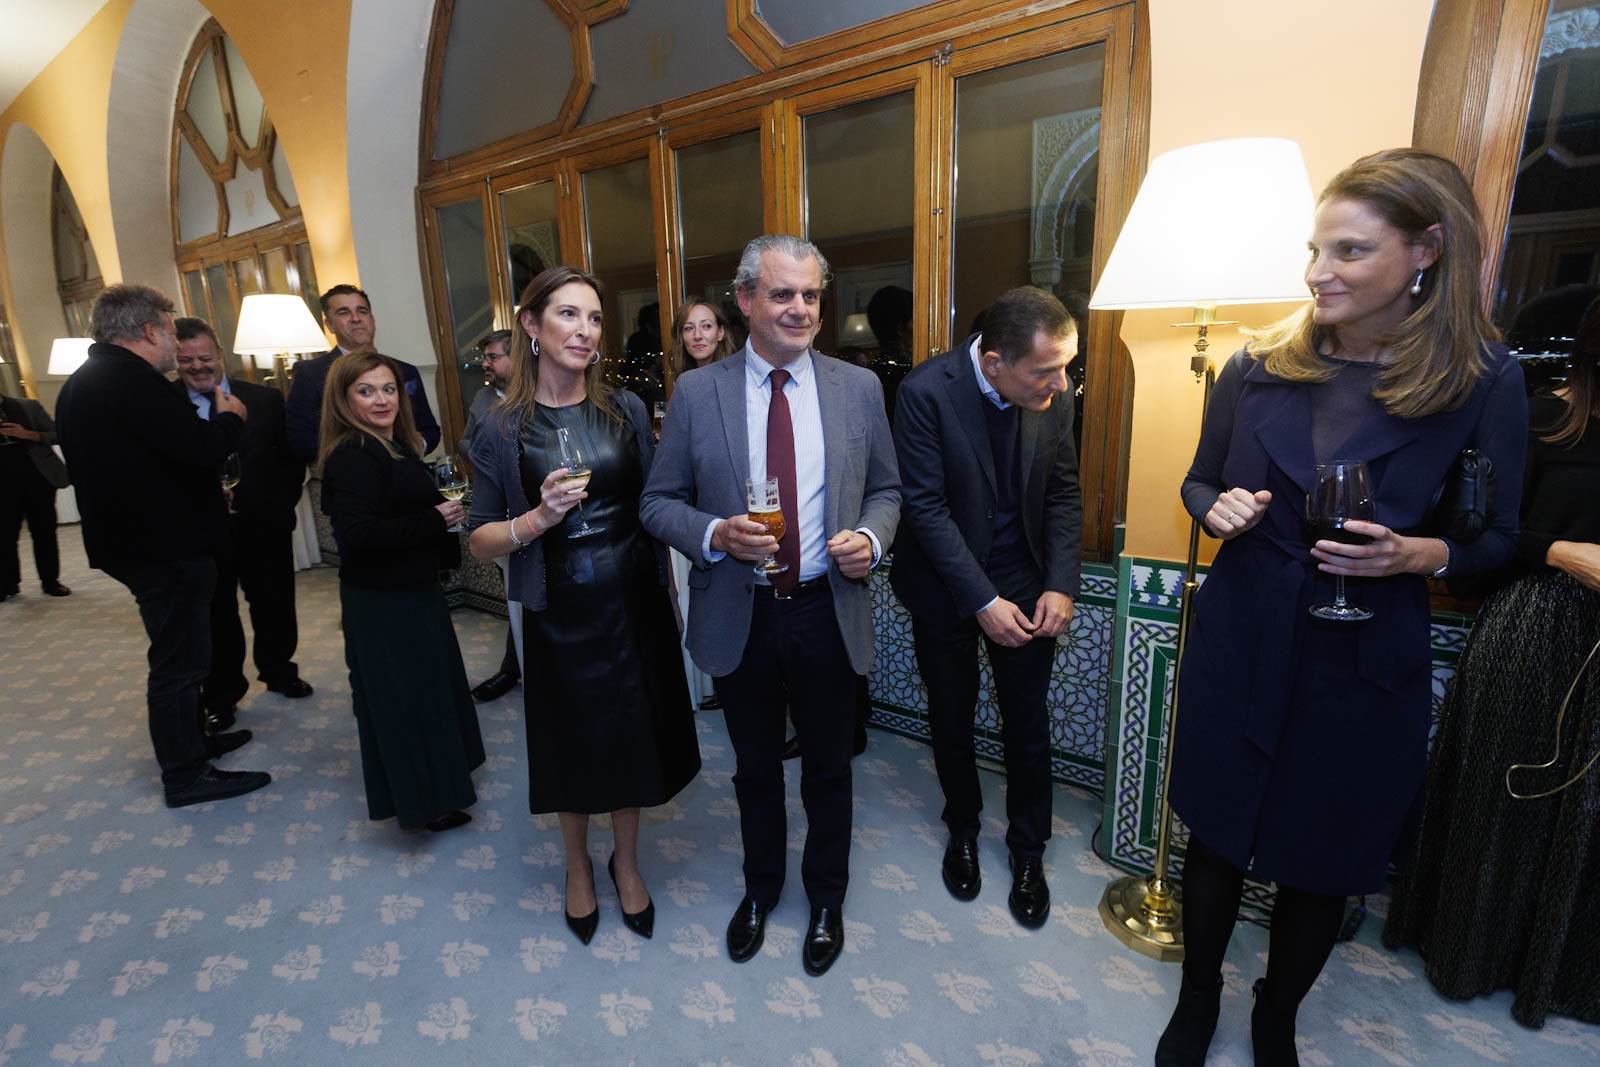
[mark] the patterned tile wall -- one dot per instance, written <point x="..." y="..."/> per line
<point x="1078" y="686"/>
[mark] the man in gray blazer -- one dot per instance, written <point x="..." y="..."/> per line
<point x="796" y="640"/>
<point x="30" y="474"/>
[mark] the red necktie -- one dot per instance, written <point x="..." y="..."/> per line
<point x="780" y="465"/>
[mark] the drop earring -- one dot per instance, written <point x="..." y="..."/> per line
<point x="1416" y="284"/>
<point x="535" y="348"/>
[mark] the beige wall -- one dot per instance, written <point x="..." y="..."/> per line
<point x="1342" y="83"/>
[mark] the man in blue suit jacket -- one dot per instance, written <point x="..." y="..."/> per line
<point x="800" y="639"/>
<point x="347" y="314"/>
<point x="989" y="548"/>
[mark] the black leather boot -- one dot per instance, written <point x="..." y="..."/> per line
<point x="1188" y="1034"/>
<point x="1272" y="1028"/>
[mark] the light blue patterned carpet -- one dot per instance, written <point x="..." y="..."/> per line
<point x="285" y="928"/>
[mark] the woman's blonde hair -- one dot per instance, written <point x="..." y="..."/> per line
<point x="339" y="421"/>
<point x="1437" y="350"/>
<point x="678" y="356"/>
<point x="524" y="380"/>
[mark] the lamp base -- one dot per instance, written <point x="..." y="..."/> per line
<point x="1148" y="922"/>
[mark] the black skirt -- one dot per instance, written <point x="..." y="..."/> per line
<point x="414" y="712"/>
<point x="1497" y="892"/>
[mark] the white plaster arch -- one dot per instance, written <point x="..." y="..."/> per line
<point x="383" y="100"/>
<point x="25" y="218"/>
<point x="144" y="84"/>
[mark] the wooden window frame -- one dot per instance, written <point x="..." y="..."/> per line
<point x="925" y="55"/>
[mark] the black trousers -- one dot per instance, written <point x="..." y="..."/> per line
<point x="174" y="601"/>
<point x="260" y="561"/>
<point x="947" y="656"/>
<point x="33" y="499"/>
<point x="795" y="658"/>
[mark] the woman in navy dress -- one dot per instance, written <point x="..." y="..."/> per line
<point x="1302" y="744"/>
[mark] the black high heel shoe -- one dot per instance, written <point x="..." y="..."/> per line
<point x="583" y="926"/>
<point x="643" y="922"/>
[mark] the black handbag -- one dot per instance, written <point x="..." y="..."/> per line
<point x="1462" y="506"/>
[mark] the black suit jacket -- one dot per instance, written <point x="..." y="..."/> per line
<point x="30" y="414"/>
<point x="303" y="413"/>
<point x="145" y="467"/>
<point x="270" y="478"/>
<point x="948" y="495"/>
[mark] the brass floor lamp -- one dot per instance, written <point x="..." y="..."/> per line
<point x="1223" y="222"/>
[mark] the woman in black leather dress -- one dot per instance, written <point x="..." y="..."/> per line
<point x="610" y="727"/>
<point x="1498" y="891"/>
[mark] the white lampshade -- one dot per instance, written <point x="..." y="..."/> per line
<point x="856" y="332"/>
<point x="67" y="354"/>
<point x="271" y="324"/>
<point x="1223" y="222"/>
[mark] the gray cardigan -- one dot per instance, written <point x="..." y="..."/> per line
<point x="497" y="492"/>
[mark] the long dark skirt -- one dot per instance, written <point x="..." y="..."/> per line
<point x="414" y="712"/>
<point x="1498" y="892"/>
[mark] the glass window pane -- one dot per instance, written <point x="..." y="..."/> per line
<point x="466" y="275"/>
<point x="225" y="315"/>
<point x="197" y="196"/>
<point x="1550" y="270"/>
<point x="1027" y="167"/>
<point x="205" y="107"/>
<point x="719" y="210"/>
<point x="859" y="187"/>
<point x="247" y="276"/>
<point x="194" y="294"/>
<point x="532" y="215"/>
<point x="275" y="265"/>
<point x="622" y="251"/>
<point x="247" y="102"/>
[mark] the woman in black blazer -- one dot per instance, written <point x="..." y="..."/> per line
<point x="417" y="722"/>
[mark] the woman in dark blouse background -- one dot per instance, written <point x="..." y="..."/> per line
<point x="1498" y="892"/>
<point x="415" y="717"/>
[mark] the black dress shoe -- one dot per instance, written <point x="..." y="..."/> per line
<point x="1272" y="1028"/>
<point x="711" y="703"/>
<point x="1188" y="1034"/>
<point x="7" y="594"/>
<point x="746" y="930"/>
<point x="1030" y="895"/>
<point x="791" y="747"/>
<point x="961" y="874"/>
<point x="222" y="744"/>
<point x="55" y="589"/>
<point x="220" y="721"/>
<point x="642" y="922"/>
<point x="449" y="821"/>
<point x="494" y="687"/>
<point x="583" y="926"/>
<point x="824" y="940"/>
<point x="294" y="688"/>
<point x="861" y="740"/>
<point x="212" y="784"/>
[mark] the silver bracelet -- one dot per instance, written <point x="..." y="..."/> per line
<point x="512" y="526"/>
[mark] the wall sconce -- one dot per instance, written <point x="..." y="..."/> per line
<point x="273" y="327"/>
<point x="1223" y="222"/>
<point x="67" y="354"/>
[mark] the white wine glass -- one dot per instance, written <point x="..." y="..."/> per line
<point x="764" y="505"/>
<point x="452" y="482"/>
<point x="1340" y="491"/>
<point x="232" y="471"/>
<point x="576" y="460"/>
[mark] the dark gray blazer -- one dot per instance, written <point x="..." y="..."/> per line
<point x="30" y="414"/>
<point x="948" y="484"/>
<point x="699" y="476"/>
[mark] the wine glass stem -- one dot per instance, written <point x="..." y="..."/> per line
<point x="1338" y="591"/>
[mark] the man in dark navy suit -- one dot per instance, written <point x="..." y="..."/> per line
<point x="347" y="314"/>
<point x="30" y="474"/>
<point x="988" y="548"/>
<point x="259" y="554"/>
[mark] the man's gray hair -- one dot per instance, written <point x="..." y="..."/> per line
<point x="123" y="310"/>
<point x="795" y="247"/>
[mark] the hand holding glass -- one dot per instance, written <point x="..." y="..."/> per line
<point x="1340" y="491"/>
<point x="232" y="470"/>
<point x="452" y="482"/>
<point x="576" y="460"/>
<point x="765" y="507"/>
